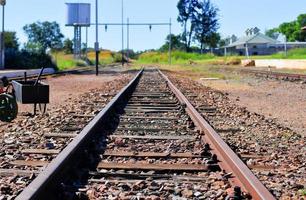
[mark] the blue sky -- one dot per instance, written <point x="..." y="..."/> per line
<point x="235" y="17"/>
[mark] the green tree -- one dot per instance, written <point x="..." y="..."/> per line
<point x="187" y="18"/>
<point x="33" y="47"/>
<point x="289" y="29"/>
<point x="292" y="30"/>
<point x="68" y="46"/>
<point x="212" y="40"/>
<point x="301" y="21"/>
<point x="46" y="35"/>
<point x="206" y="23"/>
<point x="228" y="40"/>
<point x="11" y="41"/>
<point x="272" y="33"/>
<point x="176" y="43"/>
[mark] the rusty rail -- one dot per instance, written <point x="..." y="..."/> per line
<point x="289" y="76"/>
<point x="229" y="161"/>
<point x="49" y="180"/>
<point x="41" y="186"/>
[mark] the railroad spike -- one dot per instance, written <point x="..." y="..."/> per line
<point x="207" y="147"/>
<point x="237" y="193"/>
<point x="183" y="105"/>
<point x="205" y="151"/>
<point x="212" y="160"/>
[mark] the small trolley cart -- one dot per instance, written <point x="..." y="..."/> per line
<point x="32" y="92"/>
<point x="26" y="92"/>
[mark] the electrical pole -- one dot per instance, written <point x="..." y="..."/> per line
<point x="285" y="46"/>
<point x="86" y="48"/>
<point x="170" y="42"/>
<point x="2" y="65"/>
<point x="97" y="41"/>
<point x="122" y="13"/>
<point x="247" y="50"/>
<point x="128" y="39"/>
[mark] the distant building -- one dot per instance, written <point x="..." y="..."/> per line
<point x="256" y="43"/>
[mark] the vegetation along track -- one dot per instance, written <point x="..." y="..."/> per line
<point x="148" y="142"/>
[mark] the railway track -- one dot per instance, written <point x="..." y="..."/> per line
<point x="148" y="142"/>
<point x="55" y="74"/>
<point x="254" y="137"/>
<point x="276" y="75"/>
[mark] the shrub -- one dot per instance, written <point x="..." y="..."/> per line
<point x="27" y="60"/>
<point x="118" y="57"/>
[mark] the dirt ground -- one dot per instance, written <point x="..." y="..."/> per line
<point x="64" y="89"/>
<point x="284" y="101"/>
<point x="68" y="87"/>
<point x="257" y="134"/>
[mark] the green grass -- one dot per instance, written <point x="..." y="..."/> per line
<point x="177" y="57"/>
<point x="299" y="53"/>
<point x="105" y="57"/>
<point x="197" y="63"/>
<point x="195" y="72"/>
<point x="193" y="58"/>
<point x="193" y="65"/>
<point x="183" y="59"/>
<point x="186" y="58"/>
<point x="208" y="65"/>
<point x="292" y="54"/>
<point x="66" y="61"/>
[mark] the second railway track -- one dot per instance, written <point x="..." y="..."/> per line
<point x="276" y="75"/>
<point x="148" y="143"/>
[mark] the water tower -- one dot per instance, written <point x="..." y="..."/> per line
<point x="78" y="16"/>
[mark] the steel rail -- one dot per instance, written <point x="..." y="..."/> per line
<point x="50" y="179"/>
<point x="276" y="74"/>
<point x="229" y="161"/>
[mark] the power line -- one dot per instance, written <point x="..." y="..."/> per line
<point x="133" y="24"/>
<point x="128" y="24"/>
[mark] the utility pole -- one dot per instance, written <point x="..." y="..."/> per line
<point x="2" y="64"/>
<point x="170" y="43"/>
<point x="122" y="13"/>
<point x="86" y="47"/>
<point x="97" y="41"/>
<point x="247" y="50"/>
<point x="285" y="46"/>
<point x="128" y="39"/>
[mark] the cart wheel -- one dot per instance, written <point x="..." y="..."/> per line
<point x="42" y="108"/>
<point x="8" y="108"/>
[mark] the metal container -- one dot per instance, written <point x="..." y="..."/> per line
<point x="28" y="93"/>
<point x="78" y="14"/>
